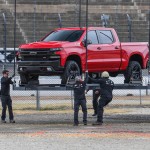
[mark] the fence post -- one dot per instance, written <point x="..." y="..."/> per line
<point x="79" y="13"/>
<point x="37" y="100"/>
<point x="129" y="27"/>
<point x="59" y="20"/>
<point x="72" y="100"/>
<point x="140" y="97"/>
<point x="34" y="22"/>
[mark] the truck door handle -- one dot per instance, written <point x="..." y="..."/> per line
<point x="116" y="47"/>
<point x="99" y="48"/>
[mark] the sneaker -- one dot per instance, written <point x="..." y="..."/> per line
<point x="97" y="123"/>
<point x="12" y="121"/>
<point x="94" y="114"/>
<point x="3" y="121"/>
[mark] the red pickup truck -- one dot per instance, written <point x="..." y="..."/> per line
<point x="63" y="52"/>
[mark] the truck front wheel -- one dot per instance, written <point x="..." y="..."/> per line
<point x="133" y="72"/>
<point x="26" y="78"/>
<point x="72" y="69"/>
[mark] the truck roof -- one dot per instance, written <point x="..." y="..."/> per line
<point x="83" y="28"/>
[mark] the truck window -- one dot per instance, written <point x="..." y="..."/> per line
<point x="92" y="36"/>
<point x="64" y="35"/>
<point x="105" y="37"/>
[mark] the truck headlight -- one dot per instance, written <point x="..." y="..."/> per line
<point x="56" y="49"/>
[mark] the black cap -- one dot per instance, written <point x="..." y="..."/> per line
<point x="4" y="71"/>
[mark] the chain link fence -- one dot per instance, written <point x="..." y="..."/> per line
<point x="63" y="100"/>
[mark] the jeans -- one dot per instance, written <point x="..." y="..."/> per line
<point x="6" y="101"/>
<point x="103" y="101"/>
<point x="77" y="104"/>
<point x="95" y="101"/>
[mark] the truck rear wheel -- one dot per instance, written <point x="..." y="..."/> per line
<point x="72" y="69"/>
<point x="94" y="75"/>
<point x="133" y="72"/>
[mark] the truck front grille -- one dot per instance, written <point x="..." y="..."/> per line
<point x="36" y="54"/>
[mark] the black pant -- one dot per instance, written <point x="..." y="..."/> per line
<point x="77" y="104"/>
<point x="95" y="101"/>
<point x="6" y="101"/>
<point x="103" y="101"/>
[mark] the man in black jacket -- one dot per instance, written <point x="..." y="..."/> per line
<point x="80" y="99"/>
<point x="106" y="96"/>
<point x="5" y="97"/>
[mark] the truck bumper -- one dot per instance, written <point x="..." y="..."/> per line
<point x="42" y="68"/>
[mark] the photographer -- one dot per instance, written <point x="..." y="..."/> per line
<point x="5" y="97"/>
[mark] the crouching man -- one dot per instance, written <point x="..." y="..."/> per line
<point x="106" y="96"/>
<point x="80" y="99"/>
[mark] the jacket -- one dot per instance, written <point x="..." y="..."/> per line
<point x="5" y="86"/>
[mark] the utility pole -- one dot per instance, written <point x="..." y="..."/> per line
<point x="14" y="35"/>
<point x="86" y="34"/>
<point x="5" y="38"/>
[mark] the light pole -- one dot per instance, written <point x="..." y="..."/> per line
<point x="116" y="16"/>
<point x="149" y="28"/>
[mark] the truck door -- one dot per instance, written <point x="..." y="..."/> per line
<point x="109" y="51"/>
<point x="94" y="61"/>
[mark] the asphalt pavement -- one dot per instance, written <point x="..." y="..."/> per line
<point x="54" y="130"/>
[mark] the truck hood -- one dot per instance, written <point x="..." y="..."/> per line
<point x="42" y="45"/>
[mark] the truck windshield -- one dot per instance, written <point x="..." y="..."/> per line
<point x="64" y="35"/>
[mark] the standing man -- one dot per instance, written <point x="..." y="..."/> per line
<point x="80" y="99"/>
<point x="106" y="96"/>
<point x="5" y="97"/>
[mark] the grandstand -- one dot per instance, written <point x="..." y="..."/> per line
<point x="35" y="18"/>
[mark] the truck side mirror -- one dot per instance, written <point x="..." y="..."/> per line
<point x="86" y="42"/>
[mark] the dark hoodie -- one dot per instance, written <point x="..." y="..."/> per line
<point x="79" y="89"/>
<point x="5" y="86"/>
<point x="106" y="86"/>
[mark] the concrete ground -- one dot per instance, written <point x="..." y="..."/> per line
<point x="123" y="128"/>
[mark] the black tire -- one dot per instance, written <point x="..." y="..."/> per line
<point x="133" y="71"/>
<point x="23" y="79"/>
<point x="94" y="75"/>
<point x="113" y="74"/>
<point x="72" y="69"/>
<point x="33" y="77"/>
